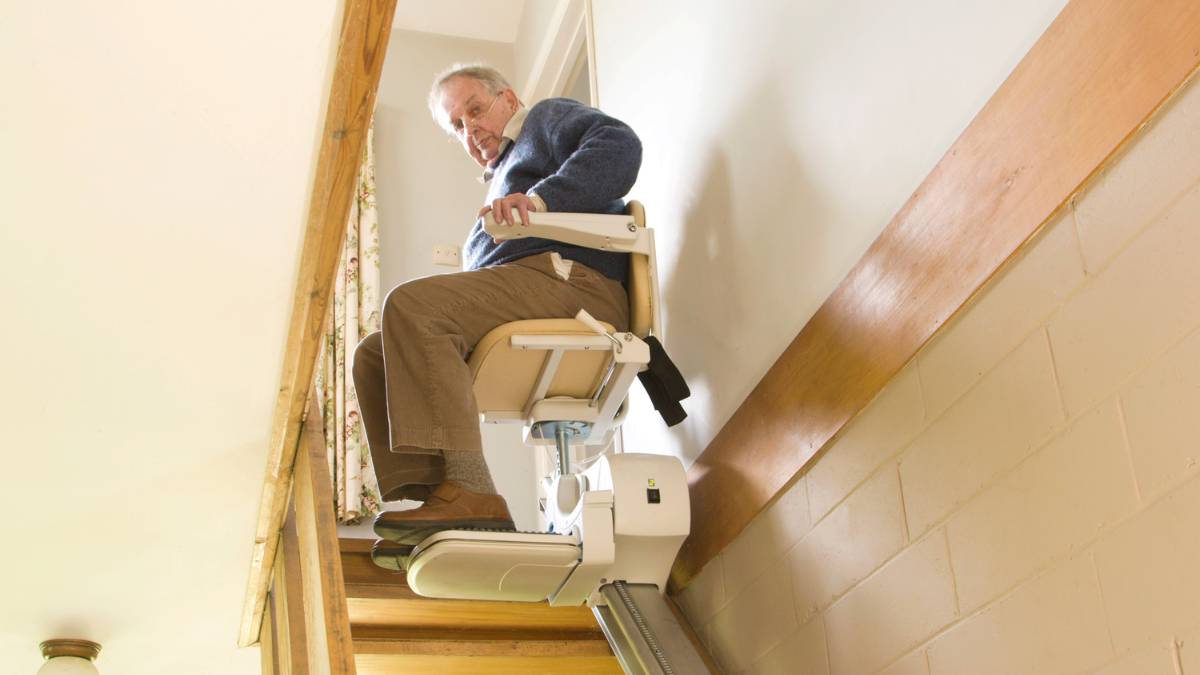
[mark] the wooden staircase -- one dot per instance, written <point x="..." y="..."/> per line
<point x="394" y="630"/>
<point x="329" y="609"/>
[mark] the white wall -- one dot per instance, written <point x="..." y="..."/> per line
<point x="780" y="137"/>
<point x="581" y="88"/>
<point x="156" y="161"/>
<point x="427" y="187"/>
<point x="428" y="194"/>
<point x="534" y="41"/>
<point x="1024" y="496"/>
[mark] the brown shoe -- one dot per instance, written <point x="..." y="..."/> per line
<point x="391" y="556"/>
<point x="450" y="507"/>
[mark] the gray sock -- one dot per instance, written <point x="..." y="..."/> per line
<point x="469" y="469"/>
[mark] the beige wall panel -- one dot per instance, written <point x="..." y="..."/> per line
<point x="801" y="652"/>
<point x="881" y="431"/>
<point x="1160" y="417"/>
<point x="1054" y="624"/>
<point x="1012" y="411"/>
<point x="754" y="621"/>
<point x="1148" y="297"/>
<point x="1189" y="650"/>
<point x="915" y="663"/>
<point x="893" y="611"/>
<point x="713" y="641"/>
<point x="702" y="598"/>
<point x="853" y="540"/>
<point x="1148" y="570"/>
<point x="1018" y="301"/>
<point x="1058" y="500"/>
<point x="1158" y="659"/>
<point x="767" y="538"/>
<point x="1024" y="486"/>
<point x="1143" y="182"/>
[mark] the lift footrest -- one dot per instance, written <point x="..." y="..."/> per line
<point x="487" y="565"/>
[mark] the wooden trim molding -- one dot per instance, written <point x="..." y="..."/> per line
<point x="1097" y="74"/>
<point x="326" y="613"/>
<point x="362" y="45"/>
<point x="286" y="602"/>
<point x="268" y="644"/>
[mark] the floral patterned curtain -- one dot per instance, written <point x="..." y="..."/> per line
<point x="355" y="314"/>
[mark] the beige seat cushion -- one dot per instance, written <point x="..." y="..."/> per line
<point x="505" y="377"/>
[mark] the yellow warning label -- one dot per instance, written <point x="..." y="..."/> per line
<point x="651" y="481"/>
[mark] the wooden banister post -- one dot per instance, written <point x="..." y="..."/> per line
<point x="326" y="616"/>
<point x="286" y="605"/>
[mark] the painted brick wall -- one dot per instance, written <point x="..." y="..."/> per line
<point x="1025" y="496"/>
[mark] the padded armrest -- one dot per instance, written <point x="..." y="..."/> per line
<point x="590" y="230"/>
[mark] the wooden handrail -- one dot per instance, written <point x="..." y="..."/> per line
<point x="1093" y="78"/>
<point x="362" y="45"/>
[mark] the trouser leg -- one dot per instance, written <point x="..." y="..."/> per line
<point x="431" y="324"/>
<point x="401" y="475"/>
<point x="415" y="372"/>
<point x="367" y="369"/>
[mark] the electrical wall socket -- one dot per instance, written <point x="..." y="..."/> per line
<point x="448" y="255"/>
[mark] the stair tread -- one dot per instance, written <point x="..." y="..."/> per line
<point x="484" y="647"/>
<point x="424" y="664"/>
<point x="361" y="632"/>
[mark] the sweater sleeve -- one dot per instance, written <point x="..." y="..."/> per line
<point x="600" y="157"/>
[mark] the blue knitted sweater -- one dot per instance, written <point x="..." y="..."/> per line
<point x="577" y="159"/>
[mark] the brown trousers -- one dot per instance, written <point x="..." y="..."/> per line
<point x="414" y="387"/>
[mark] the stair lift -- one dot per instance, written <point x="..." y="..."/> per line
<point x="617" y="525"/>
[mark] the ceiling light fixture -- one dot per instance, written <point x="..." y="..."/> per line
<point x="69" y="657"/>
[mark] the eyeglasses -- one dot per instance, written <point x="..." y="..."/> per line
<point x="471" y="117"/>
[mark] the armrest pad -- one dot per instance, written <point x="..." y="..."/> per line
<point x="591" y="230"/>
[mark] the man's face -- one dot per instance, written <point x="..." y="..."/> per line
<point x="477" y="117"/>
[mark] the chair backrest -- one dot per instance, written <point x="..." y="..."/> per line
<point x="641" y="306"/>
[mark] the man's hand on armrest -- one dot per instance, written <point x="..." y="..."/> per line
<point x="514" y="208"/>
<point x="590" y="230"/>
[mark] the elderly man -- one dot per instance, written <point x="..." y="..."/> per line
<point x="412" y="379"/>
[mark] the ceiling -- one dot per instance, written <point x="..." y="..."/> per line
<point x="157" y="159"/>
<point x="494" y="20"/>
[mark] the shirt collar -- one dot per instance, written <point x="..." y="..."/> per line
<point x="511" y="131"/>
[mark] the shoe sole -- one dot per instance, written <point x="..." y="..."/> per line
<point x="415" y="532"/>
<point x="396" y="561"/>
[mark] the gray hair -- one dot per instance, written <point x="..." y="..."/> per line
<point x="491" y="78"/>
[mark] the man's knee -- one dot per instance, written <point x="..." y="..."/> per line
<point x="368" y="355"/>
<point x="409" y="300"/>
<point x="416" y="307"/>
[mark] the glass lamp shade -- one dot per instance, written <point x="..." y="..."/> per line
<point x="68" y="665"/>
